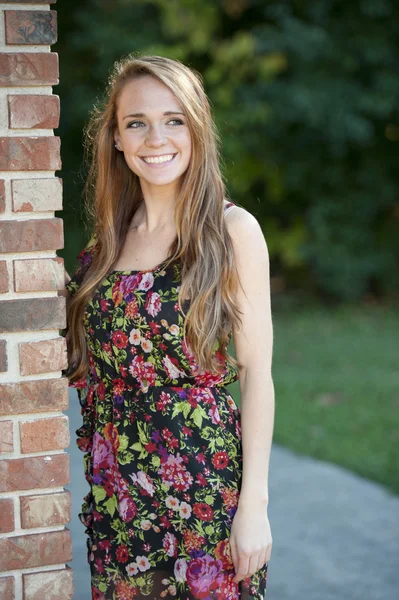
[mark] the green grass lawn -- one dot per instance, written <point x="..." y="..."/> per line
<point x="336" y="381"/>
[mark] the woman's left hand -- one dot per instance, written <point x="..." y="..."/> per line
<point x="250" y="540"/>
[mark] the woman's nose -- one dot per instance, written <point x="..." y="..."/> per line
<point x="156" y="137"/>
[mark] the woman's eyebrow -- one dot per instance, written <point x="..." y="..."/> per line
<point x="166" y="113"/>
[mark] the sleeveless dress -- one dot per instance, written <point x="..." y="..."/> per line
<point x="162" y="448"/>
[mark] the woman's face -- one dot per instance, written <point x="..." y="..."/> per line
<point x="153" y="132"/>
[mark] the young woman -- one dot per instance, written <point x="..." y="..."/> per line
<point x="178" y="496"/>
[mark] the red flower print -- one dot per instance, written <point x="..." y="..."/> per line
<point x="122" y="553"/>
<point x="200" y="458"/>
<point x="119" y="339"/>
<point x="203" y="511"/>
<point x="220" y="460"/>
<point x="118" y="386"/>
<point x="155" y="327"/>
<point x="192" y="540"/>
<point x="104" y="545"/>
<point x="99" y="565"/>
<point x="150" y="447"/>
<point x="107" y="349"/>
<point x="104" y="305"/>
<point x="201" y="479"/>
<point x="222" y="552"/>
<point x="125" y="590"/>
<point x="97" y="595"/>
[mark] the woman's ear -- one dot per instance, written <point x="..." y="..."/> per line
<point x="117" y="141"/>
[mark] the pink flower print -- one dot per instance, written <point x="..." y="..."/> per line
<point x="103" y="456"/>
<point x="153" y="303"/>
<point x="143" y="563"/>
<point x="175" y="474"/>
<point x="132" y="569"/>
<point x="146" y="281"/>
<point x="144" y="372"/>
<point x="127" y="509"/>
<point x="128" y="284"/>
<point x="185" y="510"/>
<point x="214" y="414"/>
<point x="180" y="570"/>
<point x="147" y="345"/>
<point x="144" y="481"/>
<point x="204" y="576"/>
<point x="171" y="367"/>
<point x="135" y="337"/>
<point x="169" y="543"/>
<point x="172" y="503"/>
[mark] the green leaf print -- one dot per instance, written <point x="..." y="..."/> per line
<point x="137" y="446"/>
<point x="110" y="505"/>
<point x="98" y="493"/>
<point x="180" y="407"/>
<point x="209" y="530"/>
<point x="125" y="458"/>
<point x="156" y="461"/>
<point x="123" y="442"/>
<point x="209" y="499"/>
<point x="197" y="416"/>
<point x="220" y="441"/>
<point x="102" y="587"/>
<point x="142" y="435"/>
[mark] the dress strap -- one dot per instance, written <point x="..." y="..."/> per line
<point x="228" y="207"/>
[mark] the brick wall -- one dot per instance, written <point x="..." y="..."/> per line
<point x="35" y="543"/>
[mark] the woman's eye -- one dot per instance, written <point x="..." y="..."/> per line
<point x="179" y="121"/>
<point x="135" y="123"/>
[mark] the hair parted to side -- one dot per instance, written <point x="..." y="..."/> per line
<point x="203" y="246"/>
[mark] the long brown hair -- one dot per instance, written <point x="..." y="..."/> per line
<point x="202" y="245"/>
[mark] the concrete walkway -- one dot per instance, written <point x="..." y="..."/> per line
<point x="335" y="535"/>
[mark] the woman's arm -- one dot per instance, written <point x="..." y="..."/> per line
<point x="253" y="341"/>
<point x="254" y="345"/>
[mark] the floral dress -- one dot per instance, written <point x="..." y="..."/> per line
<point x="162" y="448"/>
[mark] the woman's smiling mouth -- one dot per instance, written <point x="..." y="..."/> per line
<point x="158" y="160"/>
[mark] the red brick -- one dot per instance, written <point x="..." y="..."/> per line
<point x="33" y="111"/>
<point x="41" y="435"/>
<point x="33" y="314"/>
<point x="2" y="196"/>
<point x="34" y="472"/>
<point x="6" y="516"/>
<point x="7" y="584"/>
<point x="36" y="194"/>
<point x="6" y="436"/>
<point x="31" y="26"/>
<point x="45" y="510"/>
<point x="30" y="153"/>
<point x="39" y="274"/>
<point x="35" y="550"/>
<point x="4" y="282"/>
<point x="43" y="357"/>
<point x="30" y="68"/>
<point x="44" y="395"/>
<point x="49" y="585"/>
<point x="3" y="356"/>
<point x="31" y="235"/>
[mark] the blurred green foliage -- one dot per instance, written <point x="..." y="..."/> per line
<point x="305" y="95"/>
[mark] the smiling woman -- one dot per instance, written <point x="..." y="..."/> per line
<point x="156" y="145"/>
<point x="173" y="510"/>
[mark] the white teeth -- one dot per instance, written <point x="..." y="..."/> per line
<point x="158" y="159"/>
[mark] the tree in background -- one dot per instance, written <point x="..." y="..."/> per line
<point x="305" y="97"/>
